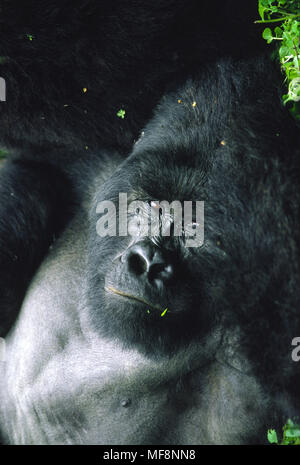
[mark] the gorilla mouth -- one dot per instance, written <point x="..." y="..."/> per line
<point x="112" y="290"/>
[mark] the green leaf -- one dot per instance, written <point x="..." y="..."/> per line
<point x="272" y="436"/>
<point x="283" y="51"/>
<point x="261" y="11"/>
<point x="121" y="113"/>
<point x="286" y="98"/>
<point x="267" y="35"/>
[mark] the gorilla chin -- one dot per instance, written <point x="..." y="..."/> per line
<point x="146" y="305"/>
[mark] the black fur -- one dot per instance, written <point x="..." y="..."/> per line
<point x="124" y="54"/>
<point x="249" y="184"/>
<point x="236" y="148"/>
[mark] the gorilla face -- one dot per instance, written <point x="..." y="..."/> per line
<point x="146" y="290"/>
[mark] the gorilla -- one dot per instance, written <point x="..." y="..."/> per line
<point x="90" y="358"/>
<point x="69" y="66"/>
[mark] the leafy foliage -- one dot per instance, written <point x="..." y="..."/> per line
<point x="121" y="113"/>
<point x="290" y="436"/>
<point x="272" y="436"/>
<point x="284" y="19"/>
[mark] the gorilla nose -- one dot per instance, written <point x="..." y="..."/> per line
<point x="149" y="261"/>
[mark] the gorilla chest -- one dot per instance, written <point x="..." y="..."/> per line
<point x="109" y="398"/>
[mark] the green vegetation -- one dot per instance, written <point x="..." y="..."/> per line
<point x="3" y="153"/>
<point x="283" y="17"/>
<point x="121" y="113"/>
<point x="290" y="436"/>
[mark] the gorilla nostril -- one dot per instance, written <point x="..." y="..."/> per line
<point x="137" y="264"/>
<point x="149" y="263"/>
<point x="160" y="271"/>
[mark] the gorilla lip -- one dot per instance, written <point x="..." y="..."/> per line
<point x="132" y="297"/>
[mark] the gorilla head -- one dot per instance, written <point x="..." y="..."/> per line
<point x="210" y="140"/>
<point x="135" y="278"/>
<point x="213" y="141"/>
<point x="215" y="367"/>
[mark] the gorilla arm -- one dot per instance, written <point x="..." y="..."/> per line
<point x="34" y="206"/>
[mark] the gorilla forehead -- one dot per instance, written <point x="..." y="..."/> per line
<point x="157" y="175"/>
